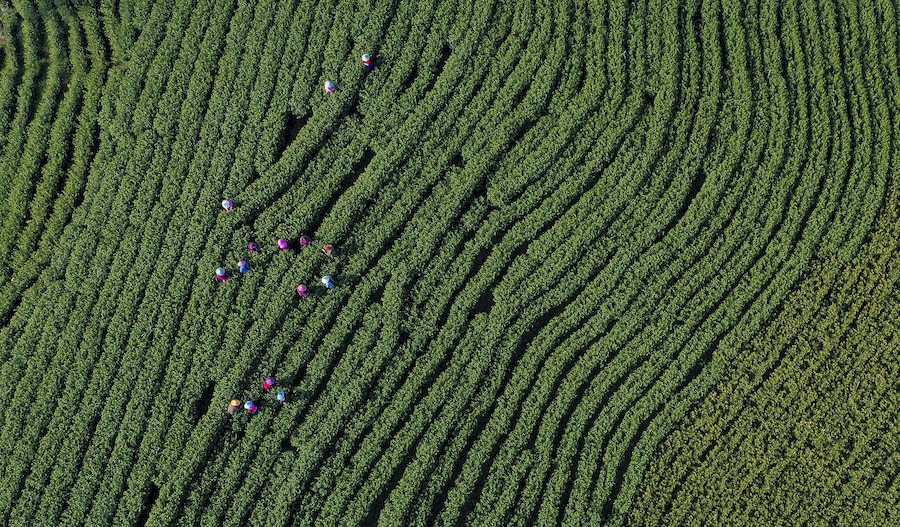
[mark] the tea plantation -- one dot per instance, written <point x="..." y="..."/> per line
<point x="598" y="262"/>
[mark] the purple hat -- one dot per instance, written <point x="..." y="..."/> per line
<point x="253" y="247"/>
<point x="305" y="240"/>
<point x="243" y="266"/>
<point x="301" y="290"/>
<point x="283" y="244"/>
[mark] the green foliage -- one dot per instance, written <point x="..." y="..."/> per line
<point x="597" y="263"/>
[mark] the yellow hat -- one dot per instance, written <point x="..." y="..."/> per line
<point x="235" y="402"/>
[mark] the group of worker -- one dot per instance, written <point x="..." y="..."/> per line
<point x="223" y="275"/>
<point x="367" y="61"/>
<point x="269" y="383"/>
<point x="244" y="267"/>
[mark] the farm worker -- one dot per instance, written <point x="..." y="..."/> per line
<point x="305" y="240"/>
<point x="221" y="274"/>
<point x="282" y="397"/>
<point x="283" y="244"/>
<point x="328" y="282"/>
<point x="243" y="266"/>
<point x="251" y="407"/>
<point x="368" y="62"/>
<point x="269" y="383"/>
<point x="329" y="87"/>
<point x="301" y="290"/>
<point x="234" y="406"/>
<point x="253" y="247"/>
<point x="328" y="250"/>
<point x="228" y="205"/>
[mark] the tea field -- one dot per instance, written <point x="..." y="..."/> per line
<point x="594" y="263"/>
